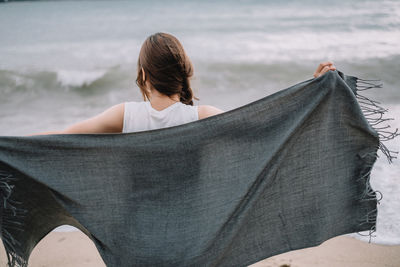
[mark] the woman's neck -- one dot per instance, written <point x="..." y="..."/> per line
<point x="160" y="101"/>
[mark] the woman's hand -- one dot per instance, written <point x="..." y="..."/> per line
<point x="323" y="68"/>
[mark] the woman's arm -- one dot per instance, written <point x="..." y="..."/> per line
<point x="109" y="121"/>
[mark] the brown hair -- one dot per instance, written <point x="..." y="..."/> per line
<point x="166" y="66"/>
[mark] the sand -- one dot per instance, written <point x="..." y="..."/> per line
<point x="74" y="249"/>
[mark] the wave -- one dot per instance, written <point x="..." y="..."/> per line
<point x="86" y="81"/>
<point x="212" y="76"/>
<point x="75" y="78"/>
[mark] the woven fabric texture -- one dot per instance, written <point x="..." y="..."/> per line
<point x="285" y="172"/>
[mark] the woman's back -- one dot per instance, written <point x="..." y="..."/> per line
<point x="141" y="116"/>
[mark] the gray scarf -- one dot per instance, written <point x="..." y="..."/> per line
<point x="285" y="172"/>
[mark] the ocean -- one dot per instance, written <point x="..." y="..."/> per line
<point x="64" y="61"/>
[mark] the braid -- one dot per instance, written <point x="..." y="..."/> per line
<point x="186" y="94"/>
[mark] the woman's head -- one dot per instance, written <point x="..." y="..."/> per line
<point x="164" y="66"/>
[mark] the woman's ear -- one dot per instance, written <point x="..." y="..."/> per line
<point x="143" y="75"/>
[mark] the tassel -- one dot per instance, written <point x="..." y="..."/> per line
<point x="374" y="113"/>
<point x="11" y="219"/>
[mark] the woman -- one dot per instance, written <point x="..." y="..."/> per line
<point x="163" y="76"/>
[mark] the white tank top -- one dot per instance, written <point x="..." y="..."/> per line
<point x="141" y="116"/>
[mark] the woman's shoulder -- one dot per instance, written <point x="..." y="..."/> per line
<point x="207" y="111"/>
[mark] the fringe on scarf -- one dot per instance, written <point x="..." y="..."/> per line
<point x="11" y="219"/>
<point x="376" y="116"/>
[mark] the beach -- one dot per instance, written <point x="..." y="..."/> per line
<point x="62" y="63"/>
<point x="75" y="249"/>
